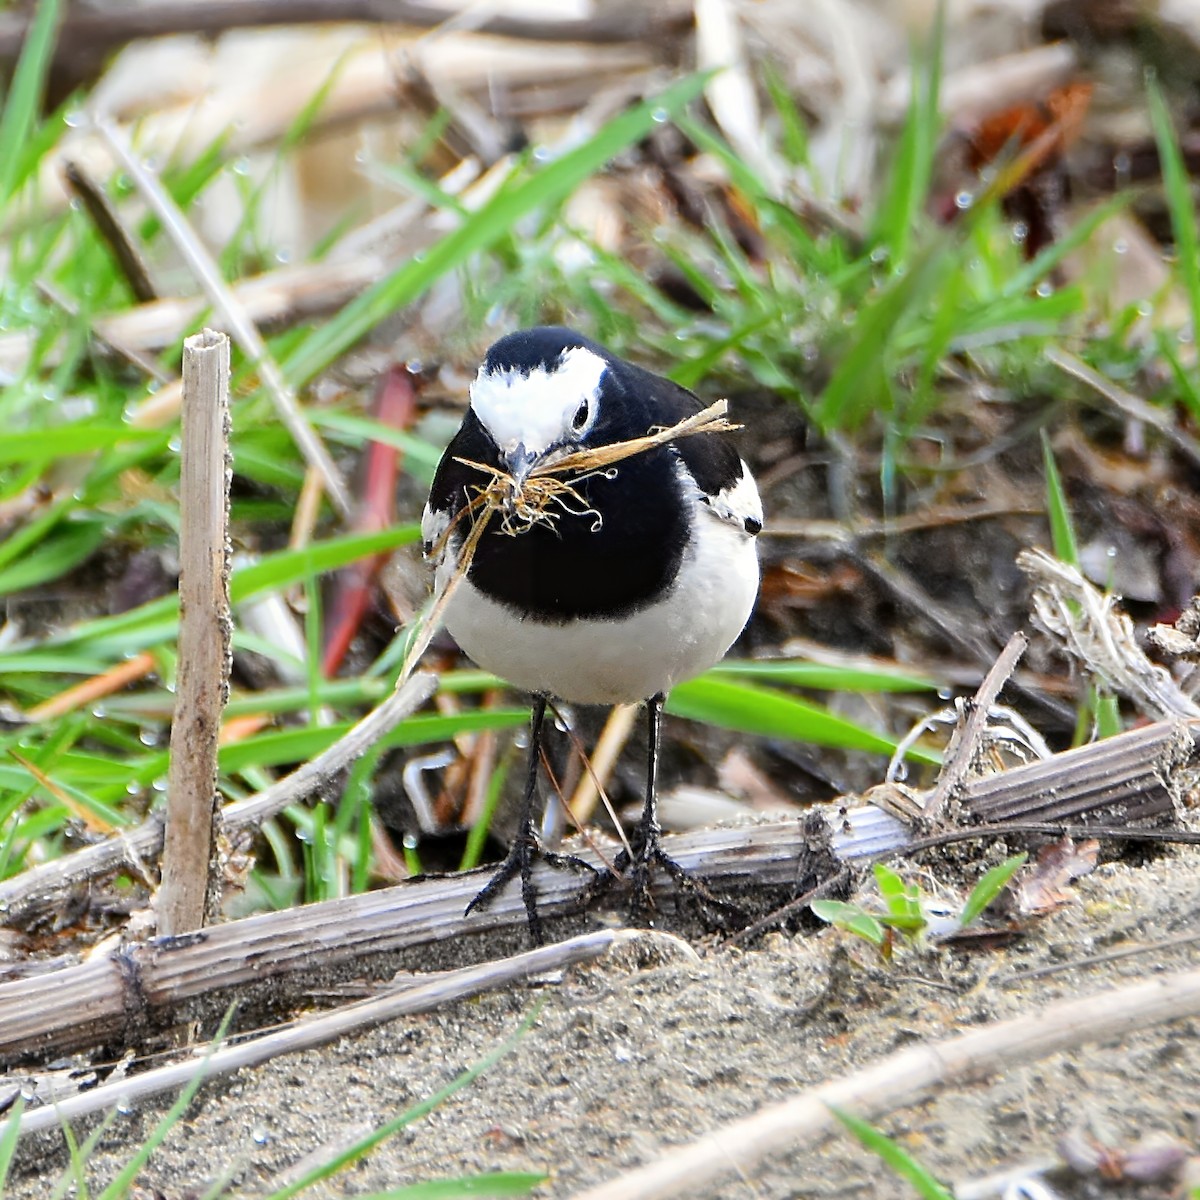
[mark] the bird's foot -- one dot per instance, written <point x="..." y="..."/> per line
<point x="525" y="851"/>
<point x="635" y="870"/>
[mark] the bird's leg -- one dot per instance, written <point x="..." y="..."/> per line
<point x="646" y="850"/>
<point x="646" y="844"/>
<point x="526" y="847"/>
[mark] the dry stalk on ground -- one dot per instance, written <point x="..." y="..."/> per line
<point x="276" y="959"/>
<point x="903" y="1078"/>
<point x="190" y="888"/>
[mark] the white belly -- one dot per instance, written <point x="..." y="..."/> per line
<point x="631" y="658"/>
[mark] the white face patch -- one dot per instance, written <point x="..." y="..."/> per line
<point x="541" y="408"/>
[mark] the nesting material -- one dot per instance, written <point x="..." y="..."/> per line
<point x="544" y="495"/>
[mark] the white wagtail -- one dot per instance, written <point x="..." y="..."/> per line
<point x="645" y="580"/>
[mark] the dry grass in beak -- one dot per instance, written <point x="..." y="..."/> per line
<point x="523" y="504"/>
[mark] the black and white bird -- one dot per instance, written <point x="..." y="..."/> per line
<point x="648" y="587"/>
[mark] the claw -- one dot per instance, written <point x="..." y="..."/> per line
<point x="525" y="851"/>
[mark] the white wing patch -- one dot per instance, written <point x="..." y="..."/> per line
<point x="739" y="504"/>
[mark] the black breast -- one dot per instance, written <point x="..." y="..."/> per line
<point x="605" y="563"/>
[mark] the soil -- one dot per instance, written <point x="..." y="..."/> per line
<point x="652" y="1047"/>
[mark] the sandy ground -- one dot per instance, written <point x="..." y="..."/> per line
<point x="650" y="1048"/>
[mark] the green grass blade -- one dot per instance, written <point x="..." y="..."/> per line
<point x="900" y="1162"/>
<point x="904" y="198"/>
<point x="50" y="443"/>
<point x="55" y="556"/>
<point x="1062" y="529"/>
<point x="299" y="745"/>
<point x="24" y="99"/>
<point x="821" y="676"/>
<point x="769" y="713"/>
<point x="118" y="1189"/>
<point x="902" y="900"/>
<point x="860" y="381"/>
<point x="156" y="620"/>
<point x="8" y="1139"/>
<point x="365" y="1145"/>
<point x="1178" y="188"/>
<point x="494" y="220"/>
<point x="990" y="886"/>
<point x="499" y="1183"/>
<point x="852" y="919"/>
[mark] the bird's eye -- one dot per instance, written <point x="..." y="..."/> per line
<point x="579" y="420"/>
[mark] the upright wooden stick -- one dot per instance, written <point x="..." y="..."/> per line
<point x="202" y="678"/>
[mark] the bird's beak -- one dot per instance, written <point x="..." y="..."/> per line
<point x="519" y="462"/>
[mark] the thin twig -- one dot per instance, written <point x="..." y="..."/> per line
<point x="108" y="225"/>
<point x="1131" y="405"/>
<point x="774" y="919"/>
<point x="1096" y="960"/>
<point x="805" y="1120"/>
<point x="223" y="299"/>
<point x="309" y="1032"/>
<point x="968" y="736"/>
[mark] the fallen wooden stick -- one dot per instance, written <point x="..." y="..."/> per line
<point x="321" y="1029"/>
<point x="277" y="959"/>
<point x="271" y="300"/>
<point x="904" y="1078"/>
<point x="98" y="33"/>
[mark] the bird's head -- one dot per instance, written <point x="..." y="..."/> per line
<point x="538" y="395"/>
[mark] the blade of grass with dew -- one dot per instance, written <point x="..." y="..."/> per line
<point x="55" y="556"/>
<point x="821" y="676"/>
<point x="1062" y="528"/>
<point x="547" y="186"/>
<point x="360" y="429"/>
<point x="42" y="446"/>
<point x="1186" y="385"/>
<point x="24" y="99"/>
<point x="765" y="712"/>
<point x="365" y="1145"/>
<point x="274" y="749"/>
<point x="898" y="1160"/>
<point x="794" y="140"/>
<point x="156" y="621"/>
<point x="1177" y="186"/>
<point x="235" y="247"/>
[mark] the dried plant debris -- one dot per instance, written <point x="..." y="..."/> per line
<point x="1181" y="640"/>
<point x="1092" y="629"/>
<point x="1044" y="888"/>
